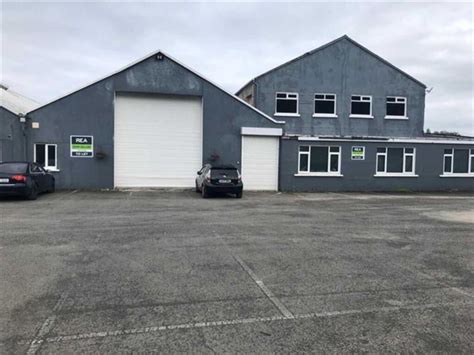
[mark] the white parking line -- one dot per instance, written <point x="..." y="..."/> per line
<point x="153" y="329"/>
<point x="46" y="327"/>
<point x="281" y="307"/>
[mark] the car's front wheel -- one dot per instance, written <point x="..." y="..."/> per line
<point x="197" y="187"/>
<point x="238" y="194"/>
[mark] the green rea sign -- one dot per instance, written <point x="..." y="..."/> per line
<point x="358" y="153"/>
<point x="82" y="146"/>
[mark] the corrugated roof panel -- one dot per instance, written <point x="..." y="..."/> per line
<point x="15" y="102"/>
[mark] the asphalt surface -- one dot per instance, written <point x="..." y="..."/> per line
<point x="154" y="271"/>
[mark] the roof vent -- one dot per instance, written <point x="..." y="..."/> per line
<point x="4" y="87"/>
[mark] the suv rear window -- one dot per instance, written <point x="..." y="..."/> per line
<point x="230" y="173"/>
<point x="13" y="168"/>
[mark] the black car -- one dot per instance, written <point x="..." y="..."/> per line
<point x="24" y="179"/>
<point x="219" y="178"/>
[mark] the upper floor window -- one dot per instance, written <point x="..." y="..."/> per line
<point x="286" y="104"/>
<point x="46" y="155"/>
<point x="395" y="161"/>
<point x="315" y="160"/>
<point x="361" y="106"/>
<point x="458" y="161"/>
<point x="396" y="107"/>
<point x="324" y="105"/>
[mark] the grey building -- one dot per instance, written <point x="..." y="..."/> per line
<point x="338" y="118"/>
<point x="13" y="107"/>
<point x="153" y="123"/>
<point x="354" y="122"/>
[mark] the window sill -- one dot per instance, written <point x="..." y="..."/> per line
<point x="361" y="116"/>
<point x="458" y="175"/>
<point x="286" y="114"/>
<point x="52" y="170"/>
<point x="320" y="174"/>
<point x="396" y="175"/>
<point x="324" y="115"/>
<point x="396" y="118"/>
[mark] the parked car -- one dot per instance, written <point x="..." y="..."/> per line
<point x="25" y="179"/>
<point x="219" y="178"/>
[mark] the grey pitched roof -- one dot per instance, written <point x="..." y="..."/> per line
<point x="345" y="37"/>
<point x="14" y="102"/>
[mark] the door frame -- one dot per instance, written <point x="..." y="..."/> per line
<point x="263" y="133"/>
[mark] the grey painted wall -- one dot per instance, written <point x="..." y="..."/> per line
<point x="12" y="140"/>
<point x="91" y="112"/>
<point x="345" y="69"/>
<point x="359" y="175"/>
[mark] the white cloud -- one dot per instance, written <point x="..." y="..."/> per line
<point x="51" y="48"/>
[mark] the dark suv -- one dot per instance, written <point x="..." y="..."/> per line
<point x="219" y="178"/>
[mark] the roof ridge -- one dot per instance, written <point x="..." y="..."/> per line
<point x="138" y="61"/>
<point x="98" y="80"/>
<point x="346" y="37"/>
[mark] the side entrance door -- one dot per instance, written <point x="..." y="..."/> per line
<point x="260" y="155"/>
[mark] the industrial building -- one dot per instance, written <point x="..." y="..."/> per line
<point x="13" y="108"/>
<point x="338" y="118"/>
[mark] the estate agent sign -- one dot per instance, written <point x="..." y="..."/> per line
<point x="358" y="153"/>
<point x="82" y="146"/>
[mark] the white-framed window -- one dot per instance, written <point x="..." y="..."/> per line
<point x="286" y="104"/>
<point x="46" y="155"/>
<point x="319" y="160"/>
<point x="324" y="105"/>
<point x="395" y="161"/>
<point x="458" y="161"/>
<point x="361" y="106"/>
<point x="396" y="107"/>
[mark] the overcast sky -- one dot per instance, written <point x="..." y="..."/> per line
<point x="49" y="49"/>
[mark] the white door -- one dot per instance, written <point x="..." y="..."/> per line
<point x="260" y="162"/>
<point x="157" y="140"/>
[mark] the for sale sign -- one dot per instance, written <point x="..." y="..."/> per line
<point x="358" y="153"/>
<point x="82" y="146"/>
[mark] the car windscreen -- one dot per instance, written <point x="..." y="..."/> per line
<point x="13" y="168"/>
<point x="229" y="173"/>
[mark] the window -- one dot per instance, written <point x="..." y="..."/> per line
<point x="317" y="160"/>
<point x="46" y="155"/>
<point x="361" y="106"/>
<point x="395" y="161"/>
<point x="396" y="107"/>
<point x="13" y="168"/>
<point x="458" y="161"/>
<point x="286" y="104"/>
<point x="324" y="105"/>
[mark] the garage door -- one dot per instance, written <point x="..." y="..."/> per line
<point x="157" y="140"/>
<point x="260" y="163"/>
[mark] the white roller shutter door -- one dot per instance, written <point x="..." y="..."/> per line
<point x="157" y="140"/>
<point x="260" y="162"/>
